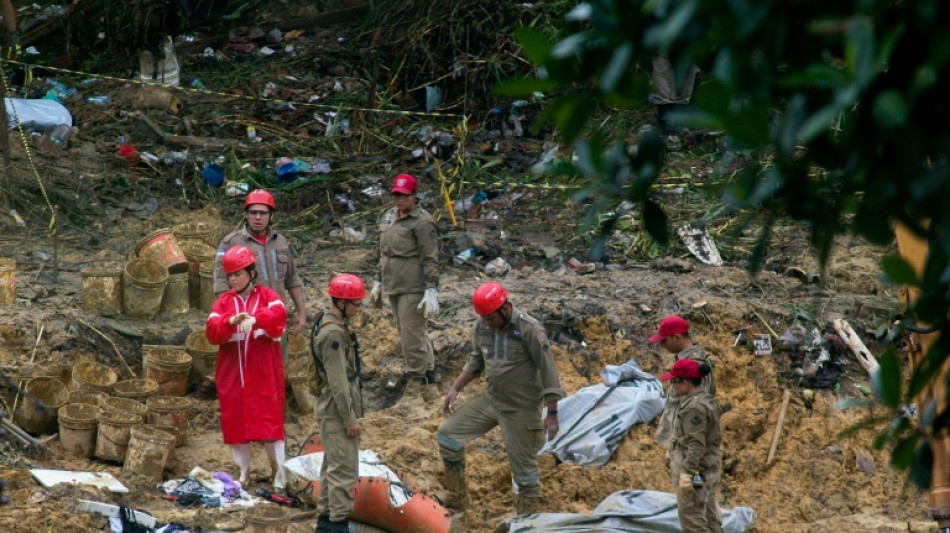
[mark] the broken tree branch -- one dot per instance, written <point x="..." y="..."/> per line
<point x="151" y="128"/>
<point x="114" y="347"/>
<point x="856" y="345"/>
<point x="778" y="427"/>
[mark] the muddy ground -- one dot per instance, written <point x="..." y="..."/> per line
<point x="603" y="318"/>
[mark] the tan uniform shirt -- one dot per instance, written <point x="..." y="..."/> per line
<point x="339" y="389"/>
<point x="517" y="363"/>
<point x="665" y="429"/>
<point x="275" y="264"/>
<point x="408" y="252"/>
<point x="697" y="435"/>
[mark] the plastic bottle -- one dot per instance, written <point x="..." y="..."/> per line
<point x="101" y="99"/>
<point x="61" y="89"/>
<point x="195" y="82"/>
<point x="251" y="133"/>
<point x="60" y="134"/>
<point x="16" y="216"/>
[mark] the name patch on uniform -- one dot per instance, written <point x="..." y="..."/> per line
<point x="541" y="337"/>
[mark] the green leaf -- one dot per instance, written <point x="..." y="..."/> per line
<point x="902" y="456"/>
<point x="569" y="46"/>
<point x="534" y="45"/>
<point x="921" y="472"/>
<point x="655" y="222"/>
<point x="890" y="110"/>
<point x="615" y="70"/>
<point x="887" y="380"/>
<point x="897" y="271"/>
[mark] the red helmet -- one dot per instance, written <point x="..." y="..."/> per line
<point x="347" y="287"/>
<point x="404" y="184"/>
<point x="260" y="196"/>
<point x="489" y="297"/>
<point x="237" y="258"/>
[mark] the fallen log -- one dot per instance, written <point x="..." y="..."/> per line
<point x="151" y="129"/>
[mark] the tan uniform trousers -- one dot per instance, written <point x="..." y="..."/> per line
<point x="666" y="90"/>
<point x="522" y="433"/>
<point x="339" y="472"/>
<point x="698" y="511"/>
<point x="413" y="334"/>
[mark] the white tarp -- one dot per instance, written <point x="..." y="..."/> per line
<point x="595" y="419"/>
<point x="42" y="114"/>
<point x="626" y="511"/>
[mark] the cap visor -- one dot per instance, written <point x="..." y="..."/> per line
<point x="668" y="376"/>
<point x="657" y="338"/>
<point x="399" y="190"/>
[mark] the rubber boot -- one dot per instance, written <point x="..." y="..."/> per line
<point x="529" y="503"/>
<point x="430" y="389"/>
<point x="323" y="524"/>
<point x="454" y="482"/>
<point x="413" y="391"/>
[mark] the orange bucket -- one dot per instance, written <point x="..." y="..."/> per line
<point x="162" y="246"/>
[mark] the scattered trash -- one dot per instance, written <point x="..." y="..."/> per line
<point x="129" y="154"/>
<point x="470" y="201"/>
<point x="41" y="256"/>
<point x="16" y="216"/>
<point x="101" y="99"/>
<point x="544" y="162"/>
<point x="792" y="338"/>
<point x="463" y="256"/>
<point x="213" y="174"/>
<point x="152" y="97"/>
<point x="267" y="51"/>
<point x="343" y="200"/>
<point x="274" y="36"/>
<point x="581" y="267"/>
<point x="763" y="344"/>
<point x="699" y="244"/>
<point x="433" y="97"/>
<point x="105" y="480"/>
<point x="320" y="166"/>
<point x="140" y="518"/>
<point x="37" y="114"/>
<point x="195" y="83"/>
<point x="235" y="188"/>
<point x="374" y="191"/>
<point x="497" y="267"/>
<point x="61" y="134"/>
<point x="288" y="173"/>
<point x="347" y="235"/>
<point x="60" y="89"/>
<point x="175" y="158"/>
<point x="252" y="133"/>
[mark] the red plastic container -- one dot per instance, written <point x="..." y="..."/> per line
<point x="131" y="156"/>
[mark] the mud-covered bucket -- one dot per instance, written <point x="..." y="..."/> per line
<point x="37" y="412"/>
<point x="204" y="355"/>
<point x="162" y="246"/>
<point x="7" y="281"/>
<point x="206" y="274"/>
<point x="113" y="437"/>
<point x="172" y="412"/>
<point x="168" y="368"/>
<point x="124" y="405"/>
<point x="265" y="519"/>
<point x="143" y="284"/>
<point x="149" y="348"/>
<point x="301" y="378"/>
<point x="175" y="298"/>
<point x="102" y="287"/>
<point x="139" y="390"/>
<point x="197" y="253"/>
<point x="147" y="453"/>
<point x="77" y="428"/>
<point x="90" y="397"/>
<point x="198" y="232"/>
<point x="92" y="376"/>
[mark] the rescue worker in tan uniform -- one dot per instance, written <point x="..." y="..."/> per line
<point x="276" y="267"/>
<point x="339" y="404"/>
<point x="695" y="456"/>
<point x="513" y="353"/>
<point x="408" y="274"/>
<point x="673" y="336"/>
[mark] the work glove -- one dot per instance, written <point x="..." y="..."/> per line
<point x="430" y="302"/>
<point x="686" y="484"/>
<point x="376" y="294"/>
<point x="248" y="324"/>
<point x="238" y="318"/>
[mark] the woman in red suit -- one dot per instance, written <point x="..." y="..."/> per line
<point x="248" y="322"/>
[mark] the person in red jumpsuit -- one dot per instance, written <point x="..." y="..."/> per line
<point x="248" y="322"/>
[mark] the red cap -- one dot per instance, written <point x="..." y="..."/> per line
<point x="404" y="184"/>
<point x="684" y="368"/>
<point x="671" y="325"/>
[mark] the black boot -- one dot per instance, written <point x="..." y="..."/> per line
<point x="343" y="526"/>
<point x="324" y="525"/>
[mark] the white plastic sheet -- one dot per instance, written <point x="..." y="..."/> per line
<point x="42" y="114"/>
<point x="594" y="420"/>
<point x="306" y="468"/>
<point x="626" y="511"/>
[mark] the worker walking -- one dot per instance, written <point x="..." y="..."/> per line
<point x="248" y="322"/>
<point x="408" y="274"/>
<point x="339" y="406"/>
<point x="512" y="351"/>
<point x="673" y="336"/>
<point x="695" y="456"/>
<point x="276" y="267"/>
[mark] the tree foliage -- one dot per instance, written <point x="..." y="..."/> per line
<point x="847" y="103"/>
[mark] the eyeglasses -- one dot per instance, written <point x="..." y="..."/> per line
<point x="354" y="304"/>
<point x="678" y="380"/>
<point x="258" y="213"/>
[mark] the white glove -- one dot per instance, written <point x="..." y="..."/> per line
<point x="430" y="302"/>
<point x="376" y="293"/>
<point x="237" y="319"/>
<point x="248" y="324"/>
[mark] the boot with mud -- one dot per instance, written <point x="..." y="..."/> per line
<point x="430" y="389"/>
<point x="323" y="524"/>
<point x="454" y="482"/>
<point x="343" y="526"/>
<point x="413" y="391"/>
<point x="529" y="503"/>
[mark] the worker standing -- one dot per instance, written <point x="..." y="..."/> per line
<point x="512" y="351"/>
<point x="408" y="274"/>
<point x="673" y="336"/>
<point x="248" y="322"/>
<point x="339" y="406"/>
<point x="276" y="267"/>
<point x="695" y="456"/>
<point x="11" y="49"/>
